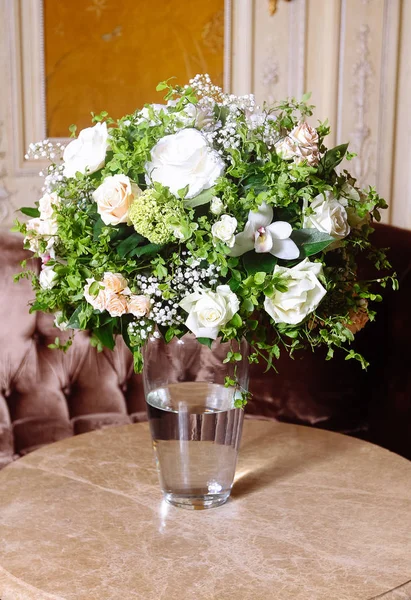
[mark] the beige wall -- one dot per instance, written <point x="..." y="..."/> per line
<point x="354" y="55"/>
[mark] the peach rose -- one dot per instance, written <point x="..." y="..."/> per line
<point x="116" y="304"/>
<point x="139" y="306"/>
<point x="114" y="198"/>
<point x="114" y="282"/>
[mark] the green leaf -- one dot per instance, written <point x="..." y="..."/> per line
<point x="30" y="212"/>
<point x="332" y="158"/>
<point x="183" y="192"/>
<point x="105" y="334"/>
<point x="259" y="277"/>
<point x="80" y="317"/>
<point x="236" y="321"/>
<point x="97" y="229"/>
<point x="257" y="263"/>
<point x="311" y="241"/>
<point x="203" y="198"/>
<point x="147" y="249"/>
<point x="129" y="244"/>
<point x="205" y="341"/>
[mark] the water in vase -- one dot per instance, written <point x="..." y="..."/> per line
<point x="196" y="433"/>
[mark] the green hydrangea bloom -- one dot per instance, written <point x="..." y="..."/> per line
<point x="153" y="213"/>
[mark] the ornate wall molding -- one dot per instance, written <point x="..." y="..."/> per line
<point x="363" y="80"/>
<point x="270" y="74"/>
<point x="5" y="194"/>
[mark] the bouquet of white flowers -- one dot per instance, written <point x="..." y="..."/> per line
<point x="208" y="215"/>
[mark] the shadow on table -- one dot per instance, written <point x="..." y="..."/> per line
<point x="281" y="464"/>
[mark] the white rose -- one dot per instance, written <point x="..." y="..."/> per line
<point x="47" y="204"/>
<point x="97" y="301"/>
<point x="216" y="205"/>
<point x="194" y="116"/>
<point x="224" y="230"/>
<point x="303" y="295"/>
<point x="114" y="198"/>
<point x="38" y="230"/>
<point x="184" y="159"/>
<point x="286" y="148"/>
<point x="209" y="311"/>
<point x="87" y="152"/>
<point x="47" y="278"/>
<point x="58" y="321"/>
<point x="328" y="216"/>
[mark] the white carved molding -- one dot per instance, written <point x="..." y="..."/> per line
<point x="362" y="143"/>
<point x="4" y="192"/>
<point x="270" y="74"/>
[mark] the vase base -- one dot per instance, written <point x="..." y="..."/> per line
<point x="196" y="502"/>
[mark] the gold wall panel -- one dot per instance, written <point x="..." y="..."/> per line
<point x="110" y="54"/>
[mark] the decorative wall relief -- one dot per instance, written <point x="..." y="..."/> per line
<point x="4" y="192"/>
<point x="361" y="139"/>
<point x="271" y="71"/>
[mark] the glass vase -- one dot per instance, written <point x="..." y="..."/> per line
<point x="196" y="429"/>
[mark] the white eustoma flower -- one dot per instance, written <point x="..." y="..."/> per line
<point x="262" y="235"/>
<point x="224" y="230"/>
<point x="114" y="198"/>
<point x="87" y="152"/>
<point x="47" y="278"/>
<point x="184" y="159"/>
<point x="209" y="311"/>
<point x="328" y="215"/>
<point x="303" y="295"/>
<point x="216" y="205"/>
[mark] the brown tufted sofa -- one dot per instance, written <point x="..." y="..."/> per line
<point x="46" y="395"/>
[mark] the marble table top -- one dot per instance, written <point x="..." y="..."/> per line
<point x="313" y="516"/>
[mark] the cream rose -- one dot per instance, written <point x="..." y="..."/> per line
<point x="47" y="278"/>
<point x="328" y="216"/>
<point x="87" y="152"/>
<point x="47" y="204"/>
<point x="209" y="311"/>
<point x="224" y="230"/>
<point x="114" y="282"/>
<point x="303" y="295"/>
<point x="184" y="159"/>
<point x="304" y="135"/>
<point x="114" y="198"/>
<point x="97" y="300"/>
<point x="139" y="306"/>
<point x="116" y="304"/>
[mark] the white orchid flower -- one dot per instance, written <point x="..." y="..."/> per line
<point x="261" y="235"/>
